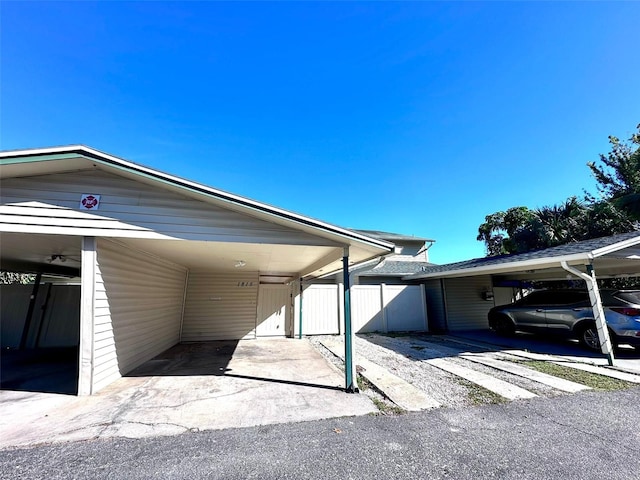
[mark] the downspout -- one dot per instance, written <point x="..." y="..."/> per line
<point x="596" y="305"/>
<point x="351" y="383"/>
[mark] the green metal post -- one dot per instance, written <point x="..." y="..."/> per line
<point x="351" y="384"/>
<point x="300" y="311"/>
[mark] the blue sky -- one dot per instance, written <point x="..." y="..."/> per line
<point x="415" y="118"/>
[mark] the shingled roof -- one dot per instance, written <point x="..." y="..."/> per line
<point x="576" y="252"/>
<point x="392" y="237"/>
<point x="396" y="268"/>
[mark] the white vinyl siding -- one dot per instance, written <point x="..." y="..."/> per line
<point x="137" y="310"/>
<point x="50" y="204"/>
<point x="220" y="306"/>
<point x="466" y="309"/>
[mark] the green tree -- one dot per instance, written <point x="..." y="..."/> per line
<point x="605" y="218"/>
<point x="14" y="277"/>
<point x="618" y="175"/>
<point x="520" y="229"/>
<point x="562" y="223"/>
<point x="506" y="232"/>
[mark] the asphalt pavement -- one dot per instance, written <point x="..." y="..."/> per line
<point x="588" y="435"/>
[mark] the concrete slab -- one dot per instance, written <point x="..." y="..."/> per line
<point x="515" y="369"/>
<point x="400" y="392"/>
<point x="534" y="348"/>
<point x="190" y="387"/>
<point x="495" y="385"/>
<point x="626" y="358"/>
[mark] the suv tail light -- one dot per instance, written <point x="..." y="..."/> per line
<point x="631" y="312"/>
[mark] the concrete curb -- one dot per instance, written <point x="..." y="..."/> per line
<point x="400" y="392"/>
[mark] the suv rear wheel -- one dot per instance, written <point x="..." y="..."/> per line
<point x="588" y="337"/>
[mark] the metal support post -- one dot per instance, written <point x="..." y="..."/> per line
<point x="596" y="305"/>
<point x="300" y="311"/>
<point x="351" y="382"/>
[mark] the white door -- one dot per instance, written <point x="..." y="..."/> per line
<point x="273" y="310"/>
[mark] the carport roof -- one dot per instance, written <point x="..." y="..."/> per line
<point x="613" y="255"/>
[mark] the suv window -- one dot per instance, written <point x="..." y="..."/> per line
<point x="631" y="296"/>
<point x="555" y="297"/>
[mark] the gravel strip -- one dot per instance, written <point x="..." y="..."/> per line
<point x="439" y="385"/>
<point x="442" y="348"/>
<point x="403" y="355"/>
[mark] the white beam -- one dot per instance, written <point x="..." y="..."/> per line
<point x="87" y="299"/>
<point x="598" y="311"/>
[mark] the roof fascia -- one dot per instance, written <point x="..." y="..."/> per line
<point x="630" y="242"/>
<point x="27" y="159"/>
<point x="533" y="264"/>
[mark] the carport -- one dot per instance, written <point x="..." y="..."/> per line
<point x="459" y="295"/>
<point x="161" y="260"/>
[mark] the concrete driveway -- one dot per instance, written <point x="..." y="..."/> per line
<point x="190" y="387"/>
<point x="626" y="357"/>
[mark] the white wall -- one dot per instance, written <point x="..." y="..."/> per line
<point x="466" y="309"/>
<point x="404" y="308"/>
<point x="50" y="204"/>
<point x="367" y="309"/>
<point x="220" y="306"/>
<point x="374" y="308"/>
<point x="137" y="310"/>
<point x="320" y="310"/>
<point x="504" y="295"/>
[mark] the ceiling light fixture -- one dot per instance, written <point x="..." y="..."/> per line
<point x="240" y="263"/>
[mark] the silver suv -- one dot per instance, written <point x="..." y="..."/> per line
<point x="569" y="313"/>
